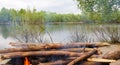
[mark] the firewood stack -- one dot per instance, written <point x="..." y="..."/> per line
<point x="57" y="53"/>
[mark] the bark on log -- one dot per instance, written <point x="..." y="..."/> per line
<point x="115" y="54"/>
<point x="36" y="47"/>
<point x="59" y="45"/>
<point x="33" y="47"/>
<point x="9" y="50"/>
<point x="77" y="49"/>
<point x="82" y="50"/>
<point x="82" y="57"/>
<point x="39" y="53"/>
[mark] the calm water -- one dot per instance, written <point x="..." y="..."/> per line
<point x="58" y="33"/>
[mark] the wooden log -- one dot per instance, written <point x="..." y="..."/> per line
<point x="65" y="62"/>
<point x="9" y="50"/>
<point x="60" y="45"/>
<point x="39" y="53"/>
<point x="97" y="59"/>
<point x="82" y="50"/>
<point x="34" y="47"/>
<point x="82" y="57"/>
<point x="100" y="60"/>
<point x="77" y="49"/>
<point x="113" y="54"/>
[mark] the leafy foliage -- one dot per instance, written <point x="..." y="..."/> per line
<point x="28" y="16"/>
<point x="100" y="10"/>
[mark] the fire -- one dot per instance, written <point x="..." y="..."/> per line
<point x="26" y="61"/>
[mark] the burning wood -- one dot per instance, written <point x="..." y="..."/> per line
<point x="56" y="53"/>
<point x="26" y="61"/>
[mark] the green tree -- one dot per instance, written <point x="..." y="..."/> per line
<point x="106" y="10"/>
<point x="5" y="15"/>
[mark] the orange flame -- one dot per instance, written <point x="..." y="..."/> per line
<point x="26" y="61"/>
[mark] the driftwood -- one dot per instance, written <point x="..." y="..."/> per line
<point x="115" y="54"/>
<point x="83" y="57"/>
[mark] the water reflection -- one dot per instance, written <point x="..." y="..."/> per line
<point x="58" y="33"/>
<point x="5" y="36"/>
<point x="5" y="31"/>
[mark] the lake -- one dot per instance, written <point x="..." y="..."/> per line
<point x="58" y="33"/>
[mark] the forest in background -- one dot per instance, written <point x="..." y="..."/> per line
<point x="35" y="17"/>
<point x="92" y="11"/>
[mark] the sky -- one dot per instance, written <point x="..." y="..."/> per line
<point x="59" y="6"/>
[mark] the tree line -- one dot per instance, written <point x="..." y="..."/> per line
<point x="35" y="17"/>
<point x="92" y="11"/>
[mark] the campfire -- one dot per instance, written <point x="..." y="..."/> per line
<point x="26" y="61"/>
<point x="55" y="54"/>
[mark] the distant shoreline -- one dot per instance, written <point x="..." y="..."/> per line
<point x="56" y="23"/>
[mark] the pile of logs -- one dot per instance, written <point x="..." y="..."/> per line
<point x="59" y="54"/>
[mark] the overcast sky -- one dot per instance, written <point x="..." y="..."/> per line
<point x="59" y="6"/>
